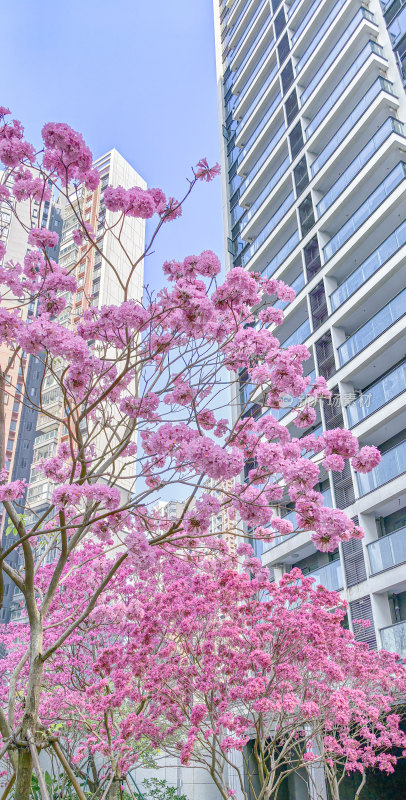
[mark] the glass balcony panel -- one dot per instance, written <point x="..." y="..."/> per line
<point x="388" y="551"/>
<point x="265" y="192"/>
<point x="392" y="465"/>
<point x="393" y="638"/>
<point x="254" y="136"/>
<point x="283" y="253"/>
<point x="365" y="210"/>
<point x="293" y="8"/>
<point x="249" y="53"/>
<point x="342" y="132"/>
<point x="297" y="285"/>
<point x="367" y="152"/>
<point x="247" y="30"/>
<point x="306" y="19"/>
<point x="268" y="150"/>
<point x="330" y="576"/>
<point x="255" y="72"/>
<point x="299" y="335"/>
<point x="379" y="323"/>
<point x="335" y="52"/>
<point x="244" y="9"/>
<point x="257" y="99"/>
<point x="389" y="387"/>
<point x="316" y="39"/>
<point x="371" y="265"/>
<point x="269" y="227"/>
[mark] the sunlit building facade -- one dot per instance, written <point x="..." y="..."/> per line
<point x="312" y="109"/>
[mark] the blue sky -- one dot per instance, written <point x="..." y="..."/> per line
<point x="133" y="74"/>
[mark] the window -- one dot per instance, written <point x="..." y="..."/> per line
<point x="291" y="107"/>
<point x="312" y="258"/>
<point x="287" y="77"/>
<point x="306" y="215"/>
<point x="296" y="140"/>
<point x="301" y="176"/>
<point x="280" y="23"/>
<point x="283" y="49"/>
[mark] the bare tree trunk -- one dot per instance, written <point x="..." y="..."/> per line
<point x="114" y="791"/>
<point x="8" y="788"/>
<point x="30" y="718"/>
<point x="24" y="773"/>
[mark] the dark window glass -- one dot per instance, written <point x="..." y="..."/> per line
<point x="296" y="140"/>
<point x="287" y="77"/>
<point x="312" y="258"/>
<point x="280" y="22"/>
<point x="306" y="215"/>
<point x="291" y="107"/>
<point x="301" y="176"/>
<point x="283" y="49"/>
<point x="275" y="5"/>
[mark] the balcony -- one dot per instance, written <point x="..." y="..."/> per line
<point x="247" y="30"/>
<point x="365" y="210"/>
<point x="293" y="8"/>
<point x="379" y="85"/>
<point x="362" y="14"/>
<point x="316" y="39"/>
<point x="261" y="161"/>
<point x="369" y="267"/>
<point x="252" y="46"/>
<point x="269" y="228"/>
<point x="297" y="285"/>
<point x="299" y="335"/>
<point x="255" y="103"/>
<point x="393" y="638"/>
<point x="282" y="254"/>
<point x="265" y="192"/>
<point x="50" y="436"/>
<point x="390" y="126"/>
<point x="258" y="130"/>
<point x="388" y="551"/>
<point x="330" y="576"/>
<point x="306" y="19"/>
<point x="377" y="395"/>
<point x="392" y="465"/>
<point x="377" y="325"/>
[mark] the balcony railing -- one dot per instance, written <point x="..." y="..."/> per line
<point x="330" y="576"/>
<point x="269" y="227"/>
<point x="267" y="152"/>
<point x="388" y="551"/>
<point x="379" y="323"/>
<point x="297" y="285"/>
<point x="258" y="130"/>
<point x="392" y="465"/>
<point x="306" y="19"/>
<point x="293" y="8"/>
<point x="363" y="13"/>
<point x="252" y="21"/>
<point x="352" y="72"/>
<point x="365" y="210"/>
<point x="369" y="267"/>
<point x="376" y="396"/>
<point x="255" y="102"/>
<point x="393" y="638"/>
<point x="389" y="126"/>
<point x="49" y="436"/>
<point x="299" y="335"/>
<point x="283" y="253"/>
<point x="265" y="192"/>
<point x="316" y="39"/>
<point x="250" y="49"/>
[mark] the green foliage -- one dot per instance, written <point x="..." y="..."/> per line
<point x="156" y="789"/>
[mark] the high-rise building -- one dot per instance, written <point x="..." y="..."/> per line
<point x="312" y="105"/>
<point x="97" y="285"/>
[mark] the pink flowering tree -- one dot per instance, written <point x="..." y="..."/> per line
<point x="142" y="409"/>
<point x="250" y="679"/>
